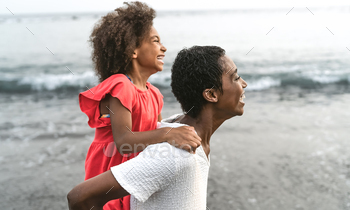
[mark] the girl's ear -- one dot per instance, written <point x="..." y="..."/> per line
<point x="134" y="55"/>
<point x="211" y="95"/>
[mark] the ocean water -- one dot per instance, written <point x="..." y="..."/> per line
<point x="292" y="51"/>
<point x="296" y="57"/>
<point x="272" y="48"/>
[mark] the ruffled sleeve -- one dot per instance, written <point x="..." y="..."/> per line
<point x="118" y="86"/>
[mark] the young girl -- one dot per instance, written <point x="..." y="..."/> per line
<point x="125" y="108"/>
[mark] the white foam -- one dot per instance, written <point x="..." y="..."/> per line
<point x="262" y="84"/>
<point x="51" y="82"/>
<point x="326" y="76"/>
<point x="326" y="79"/>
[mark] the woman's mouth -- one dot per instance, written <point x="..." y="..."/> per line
<point x="242" y="97"/>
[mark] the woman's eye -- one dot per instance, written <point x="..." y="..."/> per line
<point x="156" y="40"/>
<point x="239" y="77"/>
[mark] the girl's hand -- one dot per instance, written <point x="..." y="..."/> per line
<point x="183" y="137"/>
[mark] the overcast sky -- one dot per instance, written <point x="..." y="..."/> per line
<point x="71" y="6"/>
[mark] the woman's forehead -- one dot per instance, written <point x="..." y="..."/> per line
<point x="229" y="65"/>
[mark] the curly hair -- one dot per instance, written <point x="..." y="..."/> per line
<point x="115" y="37"/>
<point x="194" y="70"/>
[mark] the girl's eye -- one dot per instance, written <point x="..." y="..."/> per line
<point x="156" y="40"/>
<point x="239" y="77"/>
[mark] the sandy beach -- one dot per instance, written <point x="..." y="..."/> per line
<point x="287" y="154"/>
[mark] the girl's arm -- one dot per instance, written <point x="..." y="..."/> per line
<point x="128" y="141"/>
<point x="95" y="192"/>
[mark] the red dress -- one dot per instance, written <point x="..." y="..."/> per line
<point x="145" y="106"/>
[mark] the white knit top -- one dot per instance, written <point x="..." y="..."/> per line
<point x="165" y="177"/>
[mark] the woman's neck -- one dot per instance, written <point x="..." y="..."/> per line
<point x="205" y="125"/>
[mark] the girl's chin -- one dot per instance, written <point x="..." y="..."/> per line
<point x="155" y="70"/>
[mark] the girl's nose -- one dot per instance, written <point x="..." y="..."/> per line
<point x="244" y="83"/>
<point x="163" y="48"/>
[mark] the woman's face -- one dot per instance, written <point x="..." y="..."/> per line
<point x="233" y="85"/>
<point x="149" y="56"/>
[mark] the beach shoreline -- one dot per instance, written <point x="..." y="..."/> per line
<point x="278" y="155"/>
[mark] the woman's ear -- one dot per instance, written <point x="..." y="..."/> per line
<point x="211" y="95"/>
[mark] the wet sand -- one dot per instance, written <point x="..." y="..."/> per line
<point x="281" y="154"/>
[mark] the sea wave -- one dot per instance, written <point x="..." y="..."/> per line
<point x="262" y="83"/>
<point x="46" y="82"/>
<point x="54" y="82"/>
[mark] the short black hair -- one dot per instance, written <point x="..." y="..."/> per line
<point x="194" y="70"/>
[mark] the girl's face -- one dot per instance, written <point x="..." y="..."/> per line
<point x="149" y="56"/>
